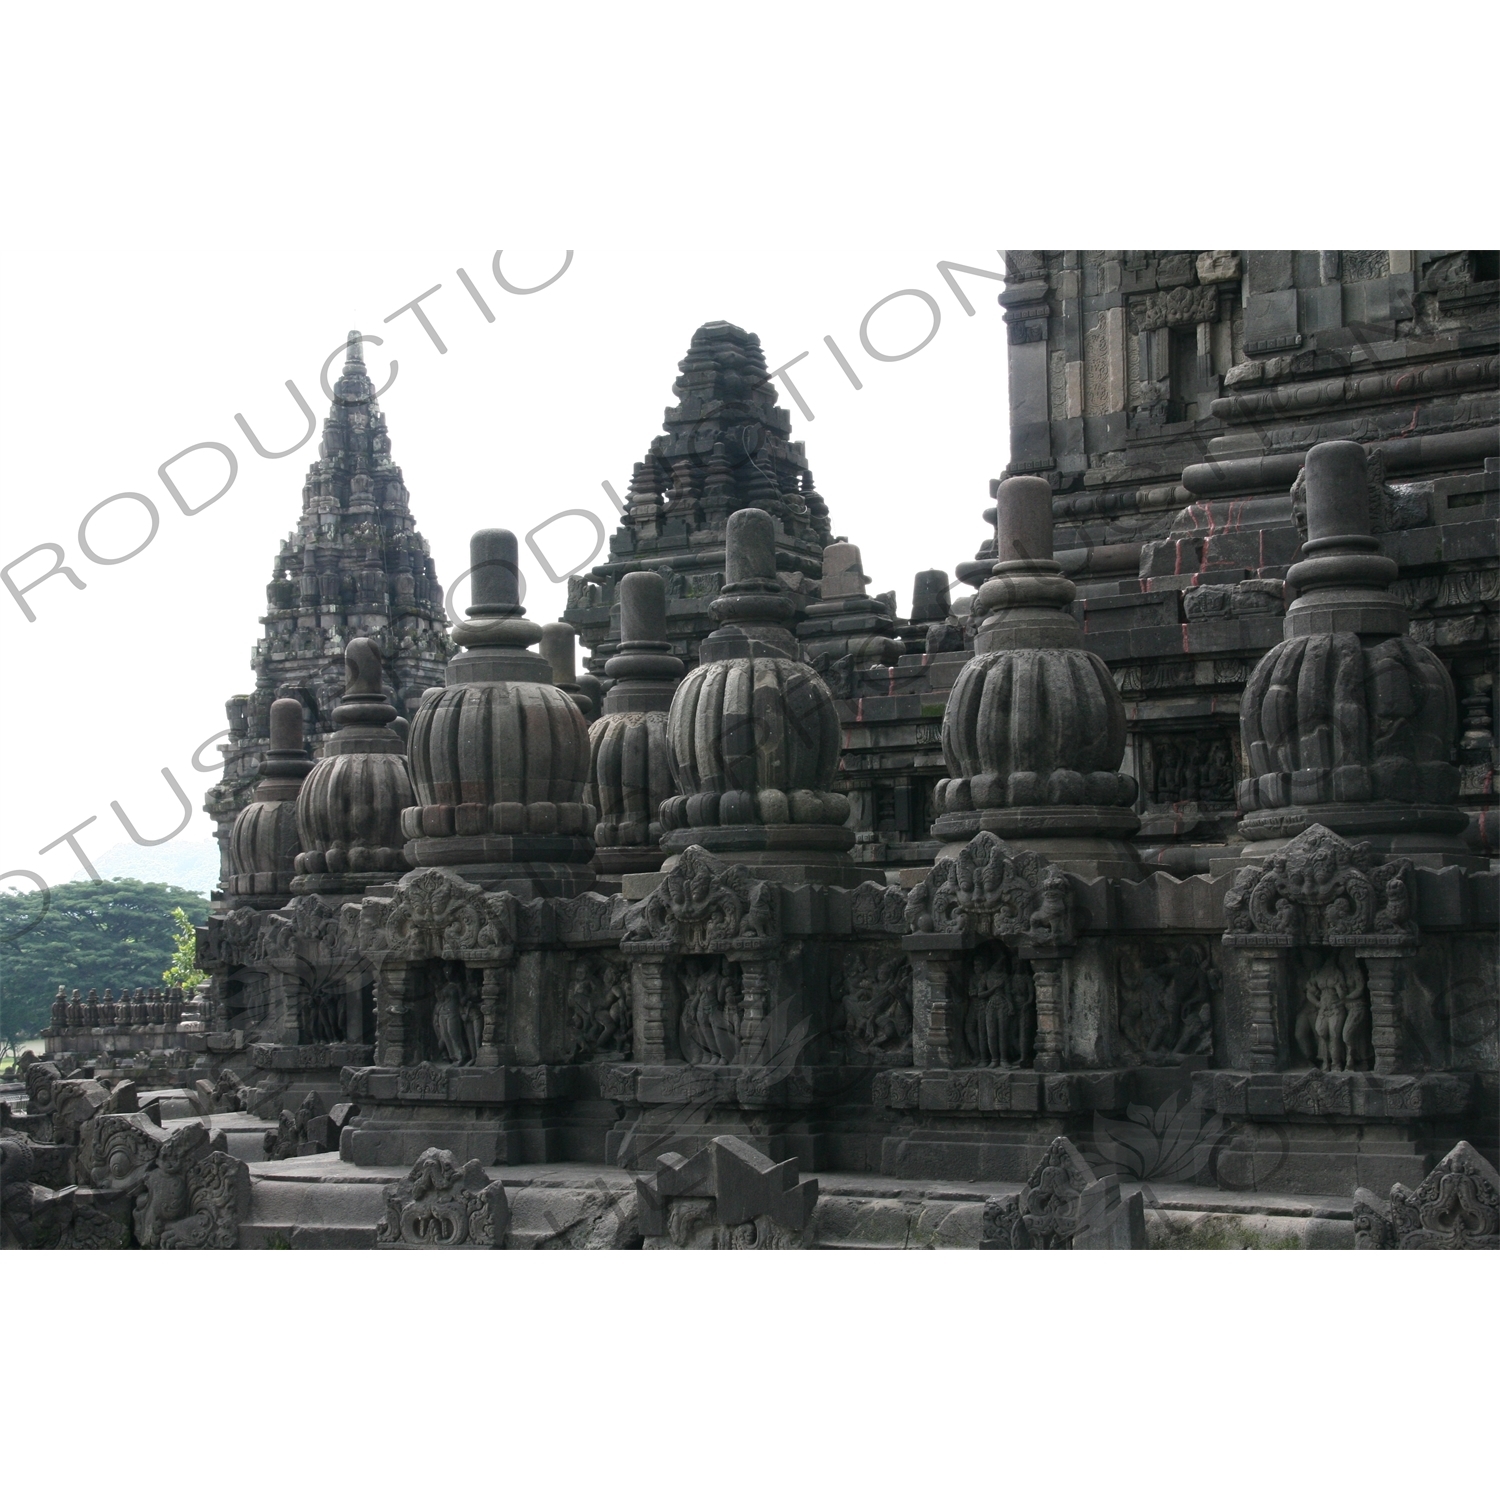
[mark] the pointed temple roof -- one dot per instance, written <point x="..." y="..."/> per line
<point x="725" y="445"/>
<point x="355" y="565"/>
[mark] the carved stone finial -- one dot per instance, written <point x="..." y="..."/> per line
<point x="843" y="575"/>
<point x="263" y="844"/>
<point x="754" y="733"/>
<point x="629" y="768"/>
<point x="929" y="597"/>
<point x="558" y="643"/>
<point x="846" y="630"/>
<point x="349" y="807"/>
<point x="1348" y="722"/>
<point x="1034" y="729"/>
<point x="495" y="575"/>
<point x="500" y="755"/>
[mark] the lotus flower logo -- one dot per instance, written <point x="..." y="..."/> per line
<point x="1175" y="1143"/>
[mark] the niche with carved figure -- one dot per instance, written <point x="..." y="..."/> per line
<point x="445" y="1008"/>
<point x="999" y="1012"/>
<point x="599" y="1012"/>
<point x="1330" y="1001"/>
<point x="1167" y="992"/>
<point x="870" y="1020"/>
<point x="710" y="1006"/>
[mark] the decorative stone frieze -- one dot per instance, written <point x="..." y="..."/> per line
<point x="444" y="1206"/>
<point x="1321" y="889"/>
<point x="1064" y="1206"/>
<point x="1456" y="1207"/>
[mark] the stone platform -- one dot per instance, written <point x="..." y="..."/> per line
<point x="323" y="1203"/>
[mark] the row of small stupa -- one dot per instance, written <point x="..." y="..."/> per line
<point x="502" y="779"/>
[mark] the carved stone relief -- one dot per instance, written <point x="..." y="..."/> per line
<point x="1167" y="994"/>
<point x="871" y="1017"/>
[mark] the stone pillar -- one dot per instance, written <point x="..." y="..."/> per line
<point x="846" y="621"/>
<point x="1382" y="970"/>
<point x="492" y="1007"/>
<point x="391" y="1008"/>
<point x="630" y="774"/>
<point x="1047" y="976"/>
<point x="1348" y="722"/>
<point x="499" y="755"/>
<point x="755" y="1025"/>
<point x="558" y="650"/>
<point x="938" y="1000"/>
<point x="349" y="807"/>
<point x="264" y="844"/>
<point x="655" y="1006"/>
<point x="1265" y="979"/>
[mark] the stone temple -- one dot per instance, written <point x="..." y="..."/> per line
<point x="1142" y="895"/>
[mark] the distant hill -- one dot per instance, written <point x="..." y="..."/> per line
<point x="192" y="865"/>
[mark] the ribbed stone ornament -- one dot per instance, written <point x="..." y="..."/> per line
<point x="559" y="648"/>
<point x="1034" y="731"/>
<point x="1348" y="722"/>
<point x="500" y="756"/>
<point x="264" y="844"/>
<point x="349" y="808"/>
<point x="630" y="772"/>
<point x="753" y="732"/>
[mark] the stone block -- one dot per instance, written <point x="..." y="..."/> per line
<point x="1269" y="271"/>
<point x="1271" y="322"/>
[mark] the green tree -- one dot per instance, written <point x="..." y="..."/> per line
<point x="86" y="935"/>
<point x="183" y="970"/>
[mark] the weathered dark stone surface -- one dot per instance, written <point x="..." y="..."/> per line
<point x="630" y="772"/>
<point x="355" y="566"/>
<point x="1012" y="1009"/>
<point x="264" y="843"/>
<point x="753" y="735"/>
<point x="725" y="445"/>
<point x="500" y="756"/>
<point x="350" y="806"/>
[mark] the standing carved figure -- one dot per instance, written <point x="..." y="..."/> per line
<point x="1336" y="985"/>
<point x="448" y="1021"/>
